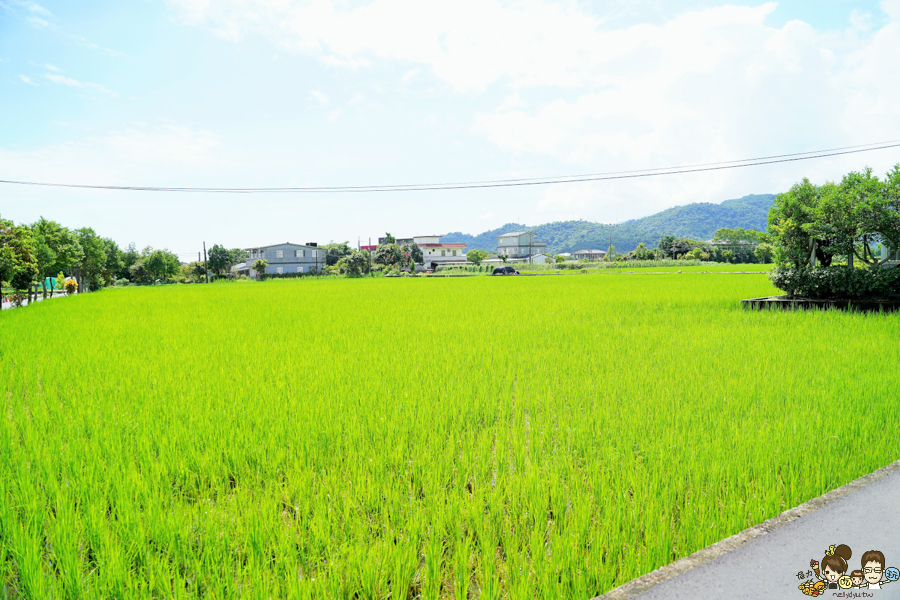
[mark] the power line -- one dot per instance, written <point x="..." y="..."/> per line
<point x="409" y="187"/>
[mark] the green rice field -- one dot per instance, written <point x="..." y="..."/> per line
<point x="530" y="437"/>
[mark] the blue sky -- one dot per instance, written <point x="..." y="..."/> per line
<point x="328" y="92"/>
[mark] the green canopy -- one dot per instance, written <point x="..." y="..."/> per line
<point x="50" y="283"/>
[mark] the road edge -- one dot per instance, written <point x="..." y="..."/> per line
<point x="713" y="551"/>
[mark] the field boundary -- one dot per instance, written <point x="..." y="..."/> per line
<point x="643" y="583"/>
<point x="785" y="302"/>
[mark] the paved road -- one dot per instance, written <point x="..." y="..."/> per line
<point x="767" y="567"/>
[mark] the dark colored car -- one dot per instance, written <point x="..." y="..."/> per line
<point x="505" y="271"/>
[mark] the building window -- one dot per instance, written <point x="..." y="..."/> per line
<point x="299" y="269"/>
<point x="279" y="254"/>
<point x="454" y="253"/>
<point x="315" y="254"/>
<point x="443" y="253"/>
<point x="279" y="269"/>
<point x="298" y="253"/>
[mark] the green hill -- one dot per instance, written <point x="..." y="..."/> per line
<point x="697" y="221"/>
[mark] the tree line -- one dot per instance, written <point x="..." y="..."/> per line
<point x="29" y="254"/>
<point x="829" y="237"/>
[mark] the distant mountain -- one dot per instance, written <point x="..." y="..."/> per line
<point x="697" y="221"/>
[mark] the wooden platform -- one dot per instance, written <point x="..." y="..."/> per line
<point x="796" y="303"/>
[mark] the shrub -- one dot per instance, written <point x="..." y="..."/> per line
<point x="837" y="282"/>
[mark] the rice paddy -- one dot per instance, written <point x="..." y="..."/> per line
<point x="533" y="437"/>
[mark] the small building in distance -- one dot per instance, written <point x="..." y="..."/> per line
<point x="891" y="255"/>
<point x="519" y="246"/>
<point x="284" y="258"/>
<point x="436" y="251"/>
<point x="589" y="254"/>
<point x="541" y="259"/>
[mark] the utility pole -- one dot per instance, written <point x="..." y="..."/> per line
<point x="205" y="263"/>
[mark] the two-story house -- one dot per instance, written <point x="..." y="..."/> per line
<point x="436" y="251"/>
<point x="285" y="258"/>
<point x="519" y="245"/>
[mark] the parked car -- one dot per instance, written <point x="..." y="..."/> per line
<point x="505" y="271"/>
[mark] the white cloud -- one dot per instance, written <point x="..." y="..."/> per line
<point x="583" y="95"/>
<point x="38" y="22"/>
<point x="320" y="97"/>
<point x="166" y="143"/>
<point x="26" y="79"/>
<point x="85" y="85"/>
<point x="119" y="157"/>
<point x="861" y="21"/>
<point x="50" y="67"/>
<point x="530" y="42"/>
<point x="716" y="85"/>
<point x="349" y="63"/>
<point x="89" y="44"/>
<point x="36" y="8"/>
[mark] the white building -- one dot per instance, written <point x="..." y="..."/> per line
<point x="519" y="246"/>
<point x="435" y="251"/>
<point x="590" y="254"/>
<point x="284" y="258"/>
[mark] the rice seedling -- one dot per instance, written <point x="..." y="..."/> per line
<point x="480" y="437"/>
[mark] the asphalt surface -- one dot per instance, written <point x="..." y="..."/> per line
<point x="767" y="567"/>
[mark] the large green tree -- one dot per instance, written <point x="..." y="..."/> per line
<point x="93" y="259"/>
<point x="335" y="252"/>
<point x="221" y="260"/>
<point x="859" y="213"/>
<point x="388" y="254"/>
<point x="57" y="249"/>
<point x="18" y="265"/>
<point x="413" y="252"/>
<point x="791" y="220"/>
<point x="355" y="264"/>
<point x="218" y="259"/>
<point x="114" y="261"/>
<point x="162" y="264"/>
<point x="129" y="257"/>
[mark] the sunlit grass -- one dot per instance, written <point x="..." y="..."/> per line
<point x="533" y="437"/>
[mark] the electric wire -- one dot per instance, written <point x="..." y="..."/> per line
<point x="550" y="180"/>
